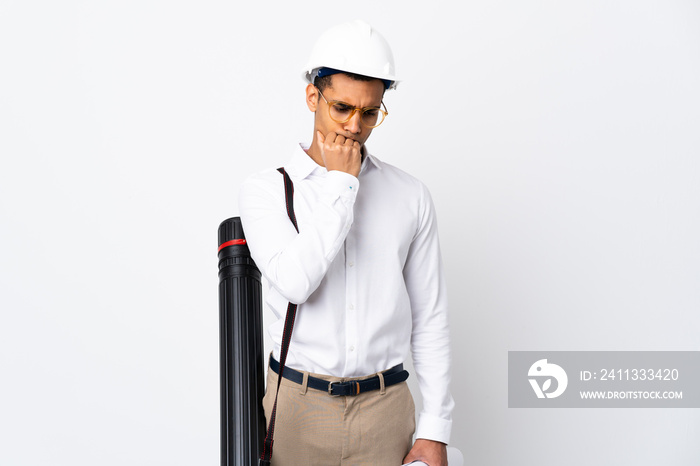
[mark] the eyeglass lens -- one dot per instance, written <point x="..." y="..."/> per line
<point x="369" y="116"/>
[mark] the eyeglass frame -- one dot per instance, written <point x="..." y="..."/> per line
<point x="354" y="110"/>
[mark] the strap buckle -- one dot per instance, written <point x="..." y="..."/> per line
<point x="330" y="389"/>
<point x="351" y="388"/>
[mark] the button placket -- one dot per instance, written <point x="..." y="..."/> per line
<point x="351" y="327"/>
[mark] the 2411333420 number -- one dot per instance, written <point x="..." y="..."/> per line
<point x="638" y="374"/>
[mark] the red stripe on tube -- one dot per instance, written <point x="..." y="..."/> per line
<point x="233" y="242"/>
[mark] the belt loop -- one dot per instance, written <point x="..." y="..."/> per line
<point x="382" y="388"/>
<point x="304" y="384"/>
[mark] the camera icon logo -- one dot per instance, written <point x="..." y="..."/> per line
<point x="544" y="371"/>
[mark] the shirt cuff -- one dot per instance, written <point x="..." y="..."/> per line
<point x="342" y="184"/>
<point x="433" y="428"/>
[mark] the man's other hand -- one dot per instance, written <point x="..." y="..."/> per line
<point x="428" y="451"/>
<point x="340" y="153"/>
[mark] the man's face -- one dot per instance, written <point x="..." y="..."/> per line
<point x="352" y="92"/>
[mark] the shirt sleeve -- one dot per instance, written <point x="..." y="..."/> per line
<point x="295" y="263"/>
<point x="430" y="340"/>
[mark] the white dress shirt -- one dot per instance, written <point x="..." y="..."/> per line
<point x="365" y="269"/>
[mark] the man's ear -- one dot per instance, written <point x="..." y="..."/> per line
<point x="312" y="97"/>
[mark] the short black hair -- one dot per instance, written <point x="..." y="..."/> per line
<point x="325" y="81"/>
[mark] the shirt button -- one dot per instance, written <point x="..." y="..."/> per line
<point x="352" y="348"/>
<point x="351" y="264"/>
<point x="351" y="307"/>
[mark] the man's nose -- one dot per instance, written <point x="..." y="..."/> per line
<point x="354" y="124"/>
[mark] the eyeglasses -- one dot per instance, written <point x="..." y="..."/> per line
<point x="340" y="112"/>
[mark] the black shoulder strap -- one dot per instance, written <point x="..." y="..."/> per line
<point x="266" y="455"/>
<point x="289" y="196"/>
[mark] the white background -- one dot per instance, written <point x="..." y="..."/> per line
<point x="560" y="141"/>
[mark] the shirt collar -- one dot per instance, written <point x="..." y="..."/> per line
<point x="370" y="161"/>
<point x="301" y="165"/>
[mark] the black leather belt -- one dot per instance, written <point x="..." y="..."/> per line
<point x="392" y="376"/>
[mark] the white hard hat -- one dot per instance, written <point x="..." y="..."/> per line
<point x="354" y="47"/>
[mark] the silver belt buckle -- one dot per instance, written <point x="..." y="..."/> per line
<point x="330" y="389"/>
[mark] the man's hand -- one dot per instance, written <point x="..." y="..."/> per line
<point x="340" y="153"/>
<point x="428" y="451"/>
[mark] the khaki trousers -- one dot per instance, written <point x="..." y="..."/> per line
<point x="313" y="428"/>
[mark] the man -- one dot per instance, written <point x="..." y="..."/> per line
<point x="365" y="269"/>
